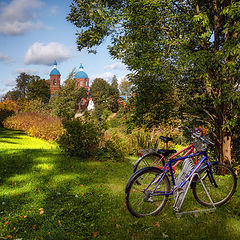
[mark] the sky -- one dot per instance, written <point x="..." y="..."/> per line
<point x="35" y="33"/>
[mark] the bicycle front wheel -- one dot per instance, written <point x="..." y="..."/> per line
<point x="149" y="160"/>
<point x="145" y="193"/>
<point x="220" y="192"/>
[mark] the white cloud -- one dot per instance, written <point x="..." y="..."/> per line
<point x="121" y="79"/>
<point x="3" y="91"/>
<point x="9" y="82"/>
<point x="19" y="17"/>
<point x="39" y="53"/>
<point x="107" y="76"/>
<point x="6" y="59"/>
<point x="115" y="66"/>
<point x="54" y="10"/>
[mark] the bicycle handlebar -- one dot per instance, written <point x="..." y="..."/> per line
<point x="197" y="135"/>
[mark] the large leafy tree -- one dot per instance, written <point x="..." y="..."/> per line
<point x="104" y="95"/>
<point x="189" y="45"/>
<point x="38" y="88"/>
<point x="22" y="82"/>
<point x="13" y="95"/>
<point x="29" y="87"/>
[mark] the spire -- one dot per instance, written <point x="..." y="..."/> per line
<point x="55" y="64"/>
<point x="81" y="67"/>
<point x="54" y="70"/>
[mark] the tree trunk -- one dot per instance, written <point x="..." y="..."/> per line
<point x="225" y="154"/>
<point x="227" y="149"/>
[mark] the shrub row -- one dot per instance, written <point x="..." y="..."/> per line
<point x="36" y="125"/>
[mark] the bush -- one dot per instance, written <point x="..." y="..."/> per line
<point x="80" y="138"/>
<point x="109" y="151"/>
<point x="36" y="125"/>
<point x="11" y="105"/>
<point x="8" y="108"/>
<point x="35" y="105"/>
<point x="139" y="138"/>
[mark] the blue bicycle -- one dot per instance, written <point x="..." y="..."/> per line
<point x="212" y="183"/>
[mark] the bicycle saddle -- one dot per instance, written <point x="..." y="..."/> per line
<point x="166" y="152"/>
<point x="166" y="139"/>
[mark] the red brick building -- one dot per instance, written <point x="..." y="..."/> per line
<point x="82" y="80"/>
<point x="54" y="80"/>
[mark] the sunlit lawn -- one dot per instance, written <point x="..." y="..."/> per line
<point x="46" y="195"/>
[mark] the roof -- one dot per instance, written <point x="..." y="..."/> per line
<point x="81" y="73"/>
<point x="55" y="72"/>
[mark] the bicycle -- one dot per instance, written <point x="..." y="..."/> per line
<point x="212" y="183"/>
<point x="157" y="157"/>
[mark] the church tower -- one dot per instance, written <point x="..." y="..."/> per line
<point x="81" y="78"/>
<point x="54" y="80"/>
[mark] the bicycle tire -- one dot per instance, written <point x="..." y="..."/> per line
<point x="225" y="179"/>
<point x="138" y="200"/>
<point x="149" y="160"/>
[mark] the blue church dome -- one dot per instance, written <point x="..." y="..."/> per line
<point x="55" y="71"/>
<point x="81" y="73"/>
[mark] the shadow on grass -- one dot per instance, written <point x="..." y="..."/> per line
<point x="46" y="195"/>
<point x="9" y="134"/>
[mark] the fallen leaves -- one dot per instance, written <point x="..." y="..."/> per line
<point x="157" y="224"/>
<point x="38" y="190"/>
<point x="41" y="210"/>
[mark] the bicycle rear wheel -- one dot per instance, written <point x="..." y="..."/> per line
<point x="220" y="193"/>
<point x="140" y="199"/>
<point x="149" y="160"/>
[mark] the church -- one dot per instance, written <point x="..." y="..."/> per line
<point x="81" y="80"/>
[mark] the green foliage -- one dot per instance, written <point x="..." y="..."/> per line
<point x="35" y="105"/>
<point x="189" y="47"/>
<point x="38" y="89"/>
<point x="80" y="138"/>
<point x="110" y="151"/>
<point x="36" y="125"/>
<point x="84" y="138"/>
<point x="13" y="95"/>
<point x="22" y="82"/>
<point x="104" y="95"/>
<point x="29" y="87"/>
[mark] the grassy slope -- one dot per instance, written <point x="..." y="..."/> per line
<point x="45" y="195"/>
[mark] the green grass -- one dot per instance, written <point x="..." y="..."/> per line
<point x="46" y="195"/>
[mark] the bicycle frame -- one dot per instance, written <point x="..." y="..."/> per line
<point x="189" y="149"/>
<point x="168" y="166"/>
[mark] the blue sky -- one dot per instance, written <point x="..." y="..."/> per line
<point x="33" y="33"/>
